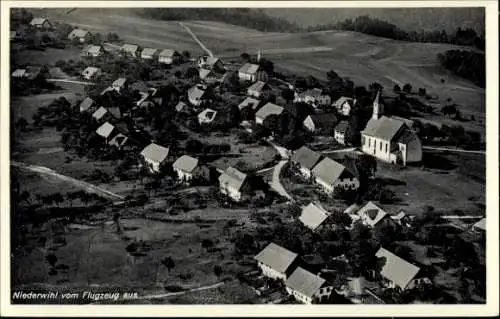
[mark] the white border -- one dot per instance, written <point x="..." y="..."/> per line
<point x="492" y="106"/>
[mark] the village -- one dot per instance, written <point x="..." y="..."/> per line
<point x="296" y="177"/>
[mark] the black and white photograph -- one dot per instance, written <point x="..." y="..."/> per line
<point x="218" y="155"/>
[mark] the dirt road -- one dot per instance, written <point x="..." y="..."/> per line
<point x="185" y="27"/>
<point x="446" y="149"/>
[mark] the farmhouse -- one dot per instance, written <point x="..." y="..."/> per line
<point x="249" y="102"/>
<point x="373" y="215"/>
<point x="313" y="216"/>
<point x="257" y="89"/>
<point x="42" y="24"/>
<point x="211" y="63"/>
<point x="343" y="133"/>
<point x="307" y="287"/>
<point x="234" y="184"/>
<point x="398" y="273"/>
<point x="155" y="156"/>
<point x="276" y="262"/>
<point x="248" y="72"/>
<point x="305" y="159"/>
<point x="99" y="113"/>
<point x="118" y="141"/>
<point x="149" y="54"/>
<point x="314" y="97"/>
<point x="266" y="110"/>
<point x="344" y="105"/>
<point x="130" y="49"/>
<point x="86" y="104"/>
<point x="480" y="226"/>
<point x="80" y="35"/>
<point x="189" y="168"/>
<point x="329" y="175"/>
<point x="320" y="123"/>
<point x="91" y="73"/>
<point x="120" y="84"/>
<point x="93" y="51"/>
<point x="390" y="139"/>
<point x="169" y="56"/>
<point x="207" y="116"/>
<point x="19" y="73"/>
<point x="105" y="131"/>
<point x="196" y="96"/>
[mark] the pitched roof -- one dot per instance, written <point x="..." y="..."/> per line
<point x="481" y="224"/>
<point x="324" y="120"/>
<point x="90" y="70"/>
<point x="155" y="152"/>
<point x="342" y="127"/>
<point x="371" y="213"/>
<point x="384" y="128"/>
<point x="19" y="73"/>
<point x="86" y="104"/>
<point x="105" y="130"/>
<point x="211" y="60"/>
<point x="132" y="48"/>
<point x="119" y="82"/>
<point x="205" y="73"/>
<point x="408" y="122"/>
<point x="99" y="113"/>
<point x="341" y="101"/>
<point x="148" y="51"/>
<point x="180" y="106"/>
<point x="313" y="216"/>
<point x="93" y="49"/>
<point x="185" y="163"/>
<point x="249" y="101"/>
<point x="276" y="257"/>
<point x="268" y="109"/>
<point x="356" y="286"/>
<point x="314" y="93"/>
<point x="249" y="68"/>
<point x="168" y="53"/>
<point x="304" y="282"/>
<point x="233" y="177"/>
<point x="78" y="33"/>
<point x="37" y="21"/>
<point x="207" y="115"/>
<point x="195" y="93"/>
<point x="328" y="170"/>
<point x="257" y="86"/>
<point x="397" y="269"/>
<point x="306" y="157"/>
<point x="119" y="140"/>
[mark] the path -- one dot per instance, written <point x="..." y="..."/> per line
<point x="70" y="81"/>
<point x="276" y="183"/>
<point x="343" y="150"/>
<point x="458" y="150"/>
<point x="185" y="27"/>
<point x="171" y="294"/>
<point x="79" y="183"/>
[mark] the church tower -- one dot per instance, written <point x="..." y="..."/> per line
<point x="378" y="108"/>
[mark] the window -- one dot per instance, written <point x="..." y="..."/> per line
<point x="386" y="144"/>
<point x="380" y="145"/>
<point x="369" y="142"/>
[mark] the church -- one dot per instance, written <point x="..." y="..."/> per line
<point x="389" y="138"/>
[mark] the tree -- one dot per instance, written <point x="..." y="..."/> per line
<point x="288" y="95"/>
<point x="207" y="243"/>
<point x="217" y="270"/>
<point x="51" y="259"/>
<point x="169" y="263"/>
<point x="57" y="198"/>
<point x="21" y="123"/>
<point x="407" y="88"/>
<point x="245" y="57"/>
<point x="422" y="92"/>
<point x="192" y="73"/>
<point x="186" y="55"/>
<point x="396" y="88"/>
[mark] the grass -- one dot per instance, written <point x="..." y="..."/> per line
<point x="26" y="106"/>
<point x="49" y="56"/>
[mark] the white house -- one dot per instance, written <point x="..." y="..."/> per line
<point x="169" y="56"/>
<point x="314" y="97"/>
<point x="105" y="131"/>
<point x="234" y="184"/>
<point x="268" y="109"/>
<point x="155" y="156"/>
<point x="307" y="287"/>
<point x="91" y="73"/>
<point x="120" y="84"/>
<point x="208" y="76"/>
<point x="480" y="226"/>
<point x="276" y="262"/>
<point x="86" y="104"/>
<point x="189" y="168"/>
<point x="344" y="105"/>
<point x="390" y="139"/>
<point x="305" y="159"/>
<point x="329" y="174"/>
<point x="207" y="116"/>
<point x="100" y="113"/>
<point x="81" y="35"/>
<point x="343" y="133"/>
<point x="313" y="216"/>
<point x="149" y="54"/>
<point x="248" y="72"/>
<point x="42" y="24"/>
<point x="93" y="51"/>
<point x="257" y="89"/>
<point x="320" y="123"/>
<point x="196" y="96"/>
<point x="130" y="49"/>
<point x="374" y="215"/>
<point x="249" y="102"/>
<point x="211" y="63"/>
<point x="19" y="73"/>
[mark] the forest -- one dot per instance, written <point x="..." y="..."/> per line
<point x="467" y="64"/>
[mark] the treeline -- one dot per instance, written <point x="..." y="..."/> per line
<point x="250" y="18"/>
<point x="380" y="28"/>
<point x="467" y="64"/>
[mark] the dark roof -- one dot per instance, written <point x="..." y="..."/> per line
<point x="324" y="120"/>
<point x="384" y="128"/>
<point x="306" y="157"/>
<point x="343" y="127"/>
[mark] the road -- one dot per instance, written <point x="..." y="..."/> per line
<point x="185" y="27"/>
<point x="276" y="183"/>
<point x="343" y="150"/>
<point x="79" y="183"/>
<point x="171" y="294"/>
<point x="70" y="81"/>
<point x="446" y="149"/>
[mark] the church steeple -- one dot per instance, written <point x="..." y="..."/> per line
<point x="378" y="108"/>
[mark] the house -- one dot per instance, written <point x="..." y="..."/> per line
<point x="211" y="63"/>
<point x="120" y="84"/>
<point x="91" y="73"/>
<point x="343" y="133"/>
<point x="189" y="168"/>
<point x="305" y="159"/>
<point x="314" y="97"/>
<point x="19" y="73"/>
<point x="257" y="89"/>
<point x="358" y="290"/>
<point x="344" y="105"/>
<point x="373" y="215"/>
<point x="390" y="139"/>
<point x="149" y="54"/>
<point x="42" y="24"/>
<point x="248" y="72"/>
<point x="234" y="184"/>
<point x="196" y="96"/>
<point x="100" y="113"/>
<point x="169" y="56"/>
<point x="208" y="76"/>
<point x="139" y="86"/>
<point x="320" y="123"/>
<point x="307" y="287"/>
<point x="249" y="102"/>
<point x="276" y="262"/>
<point x="480" y="226"/>
<point x="313" y="216"/>
<point x="268" y="109"/>
<point x="118" y="141"/>
<point x="329" y="175"/>
<point x="182" y="107"/>
<point x="130" y="49"/>
<point x="86" y="104"/>
<point x="80" y="35"/>
<point x="398" y="273"/>
<point x="105" y="131"/>
<point x="207" y="116"/>
<point x="93" y="51"/>
<point x="155" y="156"/>
<point x="403" y="219"/>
